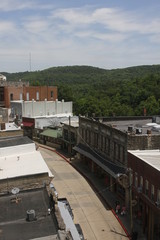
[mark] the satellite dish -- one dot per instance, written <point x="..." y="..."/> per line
<point x="15" y="190"/>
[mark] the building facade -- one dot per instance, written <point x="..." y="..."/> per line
<point x="145" y="166"/>
<point x="70" y="134"/>
<point x="103" y="147"/>
<point x="11" y="91"/>
<point x="33" y="109"/>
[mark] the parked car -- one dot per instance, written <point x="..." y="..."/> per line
<point x="54" y="190"/>
<point x="79" y="230"/>
<point x="64" y="200"/>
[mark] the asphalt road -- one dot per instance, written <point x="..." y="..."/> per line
<point x="97" y="222"/>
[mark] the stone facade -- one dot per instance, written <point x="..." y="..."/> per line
<point x="103" y="148"/>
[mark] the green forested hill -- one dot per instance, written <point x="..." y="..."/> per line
<point x="102" y="92"/>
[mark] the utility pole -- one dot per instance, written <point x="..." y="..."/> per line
<point x="130" y="198"/>
<point x="30" y="64"/>
<point x="70" y="137"/>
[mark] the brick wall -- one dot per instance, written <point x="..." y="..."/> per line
<point x="44" y="93"/>
<point x="11" y="133"/>
<point x="24" y="183"/>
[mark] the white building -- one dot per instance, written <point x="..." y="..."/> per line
<point x="2" y="77"/>
<point x="34" y="109"/>
<point x="21" y="165"/>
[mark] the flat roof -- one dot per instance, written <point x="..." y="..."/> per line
<point x="13" y="224"/>
<point x="54" y="133"/>
<point x="23" y="164"/>
<point x="151" y="157"/>
<point x="72" y="123"/>
<point x="143" y="124"/>
<point x="14" y="141"/>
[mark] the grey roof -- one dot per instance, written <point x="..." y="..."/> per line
<point x="105" y="164"/>
<point x="13" y="216"/>
<point x="137" y="124"/>
<point x="14" y="141"/>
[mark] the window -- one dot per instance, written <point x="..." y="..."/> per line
<point x="82" y="133"/>
<point x="136" y="180"/>
<point x="152" y="192"/>
<point x="27" y="96"/>
<point x="88" y="136"/>
<point x="141" y="181"/>
<point x="11" y="97"/>
<point x="51" y="94"/>
<point x="101" y="142"/>
<point x="65" y="134"/>
<point x="158" y="196"/>
<point x="37" y="96"/>
<point x="146" y="187"/>
<point x="96" y="139"/>
<point x="21" y="96"/>
<point x="107" y="146"/>
<point x="73" y="137"/>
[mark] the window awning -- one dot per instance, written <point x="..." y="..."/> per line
<point x="112" y="168"/>
<point x="27" y="124"/>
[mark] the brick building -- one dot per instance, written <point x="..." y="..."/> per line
<point x="145" y="165"/>
<point x="10" y="91"/>
<point x="103" y="147"/>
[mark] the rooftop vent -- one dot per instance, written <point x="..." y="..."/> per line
<point x="138" y="130"/>
<point x="130" y="128"/>
<point x="31" y="216"/>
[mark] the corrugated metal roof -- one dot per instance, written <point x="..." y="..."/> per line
<point x="52" y="133"/>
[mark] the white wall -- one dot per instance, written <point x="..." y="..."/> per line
<point x="45" y="108"/>
<point x="40" y="108"/>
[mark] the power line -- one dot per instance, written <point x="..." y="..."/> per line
<point x="98" y="154"/>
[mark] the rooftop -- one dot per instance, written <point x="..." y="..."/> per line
<point x="13" y="223"/>
<point x="20" y="158"/>
<point x="137" y="126"/>
<point x="54" y="133"/>
<point x="14" y="141"/>
<point x="151" y="157"/>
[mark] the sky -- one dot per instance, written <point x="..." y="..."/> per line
<point x="109" y="34"/>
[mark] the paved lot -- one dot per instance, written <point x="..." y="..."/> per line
<point x="97" y="222"/>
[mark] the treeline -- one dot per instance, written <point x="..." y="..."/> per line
<point x="119" y="92"/>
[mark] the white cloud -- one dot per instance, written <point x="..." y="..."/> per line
<point x="14" y="5"/>
<point x="6" y="26"/>
<point x="109" y="18"/>
<point x="103" y="37"/>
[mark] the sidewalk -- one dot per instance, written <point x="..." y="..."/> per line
<point x="108" y="198"/>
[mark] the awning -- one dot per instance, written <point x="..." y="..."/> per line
<point x="27" y="124"/>
<point x="112" y="168"/>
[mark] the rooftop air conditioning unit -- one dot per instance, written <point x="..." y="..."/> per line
<point x="130" y="128"/>
<point x="138" y="130"/>
<point x="31" y="216"/>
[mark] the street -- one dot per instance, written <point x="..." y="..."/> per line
<point x="97" y="222"/>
